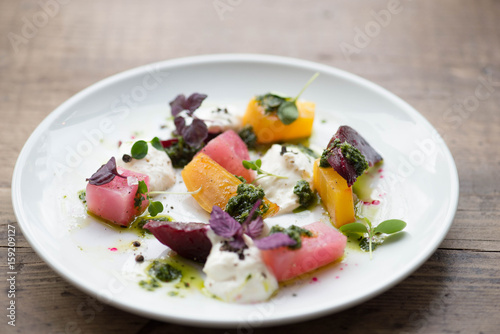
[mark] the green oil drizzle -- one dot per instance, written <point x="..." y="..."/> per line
<point x="186" y="275"/>
<point x="136" y="227"/>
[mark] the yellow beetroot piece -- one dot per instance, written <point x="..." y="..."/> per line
<point x="217" y="184"/>
<point x="269" y="129"/>
<point x="335" y="194"/>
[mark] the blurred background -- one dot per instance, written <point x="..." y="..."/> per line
<point x="433" y="54"/>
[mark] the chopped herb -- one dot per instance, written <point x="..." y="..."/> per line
<point x="294" y="232"/>
<point x="150" y="285"/>
<point x="181" y="153"/>
<point x="240" y="205"/>
<point x="164" y="271"/>
<point x="248" y="136"/>
<point x="82" y="195"/>
<point x="303" y="191"/>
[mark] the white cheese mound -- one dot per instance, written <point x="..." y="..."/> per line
<point x="238" y="280"/>
<point x="156" y="164"/>
<point x="220" y="119"/>
<point x="295" y="165"/>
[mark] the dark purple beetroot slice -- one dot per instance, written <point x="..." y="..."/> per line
<point x="342" y="166"/>
<point x="347" y="134"/>
<point x="189" y="240"/>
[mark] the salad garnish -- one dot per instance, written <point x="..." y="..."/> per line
<point x="349" y="154"/>
<point x="195" y="133"/>
<point x="284" y="106"/>
<point x="255" y="165"/>
<point x="227" y="227"/>
<point x="105" y="174"/>
<point x="140" y="149"/>
<point x="241" y="205"/>
<point x="367" y="243"/>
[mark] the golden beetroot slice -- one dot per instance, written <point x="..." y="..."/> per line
<point x="215" y="184"/>
<point x="269" y="129"/>
<point x="335" y="194"/>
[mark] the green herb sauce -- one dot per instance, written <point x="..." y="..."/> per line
<point x="239" y="206"/>
<point x="304" y="193"/>
<point x="295" y="232"/>
<point x="181" y="153"/>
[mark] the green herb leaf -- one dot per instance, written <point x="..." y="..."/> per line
<point x="155" y="208"/>
<point x="142" y="188"/>
<point x="390" y="226"/>
<point x="353" y="228"/>
<point x="155" y="142"/>
<point x="288" y="112"/>
<point x="255" y="165"/>
<point x="248" y="164"/>
<point x="139" y="149"/>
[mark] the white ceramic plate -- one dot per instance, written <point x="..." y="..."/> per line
<point x="420" y="184"/>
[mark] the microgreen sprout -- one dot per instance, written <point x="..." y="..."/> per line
<point x="140" y="148"/>
<point x="364" y="227"/>
<point x="255" y="165"/>
<point x="284" y="106"/>
<point x="155" y="207"/>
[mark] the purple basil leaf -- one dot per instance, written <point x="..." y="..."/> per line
<point x="255" y="227"/>
<point x="177" y="105"/>
<point x="275" y="240"/>
<point x="195" y="133"/>
<point x="347" y="134"/>
<point x="105" y="174"/>
<point x="180" y="124"/>
<point x="237" y="243"/>
<point x="193" y="102"/>
<point x="223" y="224"/>
<point x="252" y="212"/>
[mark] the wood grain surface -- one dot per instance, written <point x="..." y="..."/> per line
<point x="433" y="54"/>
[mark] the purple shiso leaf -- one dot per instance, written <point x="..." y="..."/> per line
<point x="223" y="224"/>
<point x="194" y="101"/>
<point x="180" y="103"/>
<point x="347" y="134"/>
<point x="255" y="227"/>
<point x="180" y="124"/>
<point x="195" y="133"/>
<point x="274" y="240"/>
<point x="177" y="104"/>
<point x="105" y="174"/>
<point x="237" y="243"/>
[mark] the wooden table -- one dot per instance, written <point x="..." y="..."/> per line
<point x="433" y="54"/>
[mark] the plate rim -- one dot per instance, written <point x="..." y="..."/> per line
<point x="230" y="58"/>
